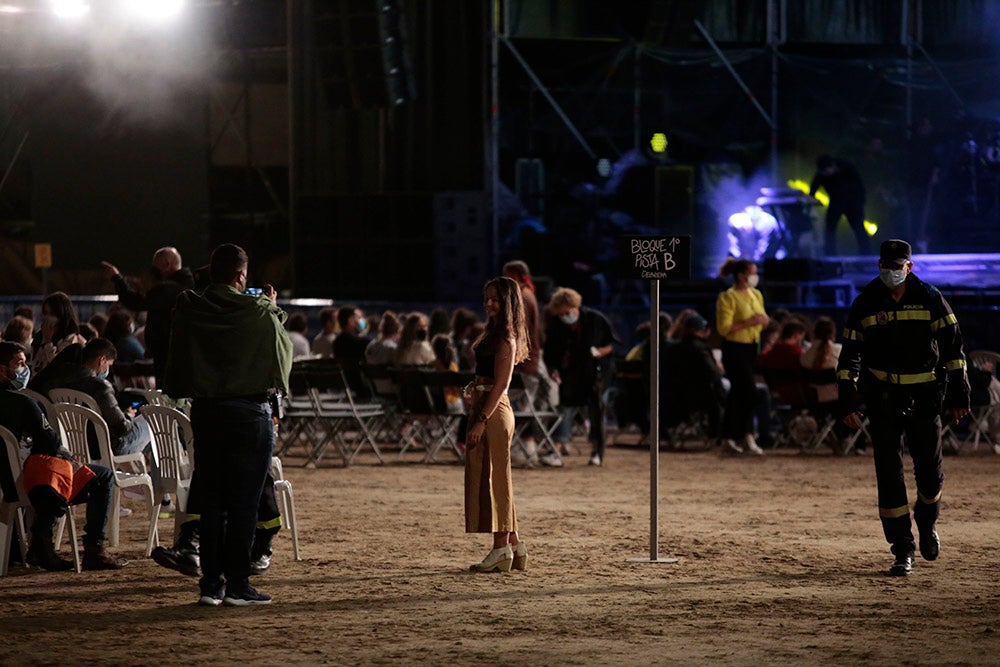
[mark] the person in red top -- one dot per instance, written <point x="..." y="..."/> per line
<point x="781" y="366"/>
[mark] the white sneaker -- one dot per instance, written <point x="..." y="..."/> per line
<point x="531" y="450"/>
<point x="595" y="459"/>
<point x="751" y="446"/>
<point x="730" y="448"/>
<point x="124" y="511"/>
<point x="553" y="460"/>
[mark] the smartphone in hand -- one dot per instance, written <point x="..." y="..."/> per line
<point x="255" y="291"/>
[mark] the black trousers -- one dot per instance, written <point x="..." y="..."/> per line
<point x="913" y="412"/>
<point x="855" y="218"/>
<point x="739" y="360"/>
<point x="235" y="440"/>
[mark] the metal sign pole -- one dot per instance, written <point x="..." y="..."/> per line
<point x="654" y="427"/>
<point x="654" y="258"/>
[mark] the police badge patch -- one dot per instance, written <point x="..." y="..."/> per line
<point x="882" y="317"/>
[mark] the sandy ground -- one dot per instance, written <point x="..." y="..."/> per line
<point x="781" y="562"/>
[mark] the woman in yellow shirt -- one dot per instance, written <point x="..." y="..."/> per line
<point x="739" y="318"/>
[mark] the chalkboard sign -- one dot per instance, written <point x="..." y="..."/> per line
<point x="655" y="257"/>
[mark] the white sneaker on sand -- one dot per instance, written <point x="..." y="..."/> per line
<point x="751" y="446"/>
<point x="553" y="460"/>
<point x="729" y="448"/>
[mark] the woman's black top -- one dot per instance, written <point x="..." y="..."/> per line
<point x="485" y="362"/>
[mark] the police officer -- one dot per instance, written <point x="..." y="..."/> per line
<point x="902" y="355"/>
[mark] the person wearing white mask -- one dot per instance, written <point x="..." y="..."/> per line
<point x="578" y="342"/>
<point x="902" y="366"/>
<point x="739" y="319"/>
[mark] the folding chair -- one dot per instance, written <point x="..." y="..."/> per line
<point x="73" y="421"/>
<point x="298" y="425"/>
<point x="984" y="413"/>
<point x="421" y="393"/>
<point x="12" y="510"/>
<point x="532" y="413"/>
<point x="627" y="398"/>
<point x="339" y="418"/>
<point x="173" y="441"/>
<point x="283" y="492"/>
<point x="384" y="389"/>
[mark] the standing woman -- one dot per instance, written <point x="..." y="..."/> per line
<point x="739" y="319"/>
<point x="489" y="491"/>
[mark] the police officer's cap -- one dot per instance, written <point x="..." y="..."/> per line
<point x="894" y="251"/>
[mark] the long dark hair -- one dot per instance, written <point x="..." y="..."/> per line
<point x="509" y="320"/>
<point x="824" y="331"/>
<point x="61" y="307"/>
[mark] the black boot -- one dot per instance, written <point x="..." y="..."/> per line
<point x="183" y="556"/>
<point x="260" y="554"/>
<point x="42" y="554"/>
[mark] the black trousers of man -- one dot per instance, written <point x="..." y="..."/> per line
<point x="913" y="412"/>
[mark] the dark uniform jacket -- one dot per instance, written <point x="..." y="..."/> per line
<point x="906" y="343"/>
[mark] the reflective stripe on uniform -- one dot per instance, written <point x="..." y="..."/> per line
<point x="904" y="378"/>
<point x="900" y="315"/>
<point x="847" y="375"/>
<point x="851" y="334"/>
<point x="273" y="523"/>
<point x="929" y="501"/>
<point x="943" y="322"/>
<point x="955" y="364"/>
<point x="893" y="512"/>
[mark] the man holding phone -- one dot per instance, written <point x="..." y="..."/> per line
<point x="229" y="353"/>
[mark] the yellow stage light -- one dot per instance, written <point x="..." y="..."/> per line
<point x="658" y="143"/>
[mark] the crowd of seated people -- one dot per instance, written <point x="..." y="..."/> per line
<point x="796" y="375"/>
<point x="693" y="383"/>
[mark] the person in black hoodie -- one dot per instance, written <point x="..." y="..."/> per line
<point x="172" y="279"/>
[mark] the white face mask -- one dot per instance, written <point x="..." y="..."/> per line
<point x="21" y="377"/>
<point x="753" y="279"/>
<point x="570" y="318"/>
<point x="892" y="278"/>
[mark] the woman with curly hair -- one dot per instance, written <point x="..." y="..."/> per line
<point x="489" y="491"/>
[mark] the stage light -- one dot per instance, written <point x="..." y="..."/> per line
<point x="871" y="228"/>
<point x="751" y="233"/>
<point x="70" y="9"/>
<point x="658" y="143"/>
<point x="152" y="11"/>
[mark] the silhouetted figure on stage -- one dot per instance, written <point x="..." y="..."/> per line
<point x="843" y="185"/>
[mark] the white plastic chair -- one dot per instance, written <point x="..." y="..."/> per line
<point x="283" y="492"/>
<point x="43" y="401"/>
<point x="73" y="397"/>
<point x="173" y="441"/>
<point x="73" y="421"/>
<point x="12" y="511"/>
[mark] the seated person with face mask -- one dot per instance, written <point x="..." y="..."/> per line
<point x="90" y="483"/>
<point x="87" y="370"/>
